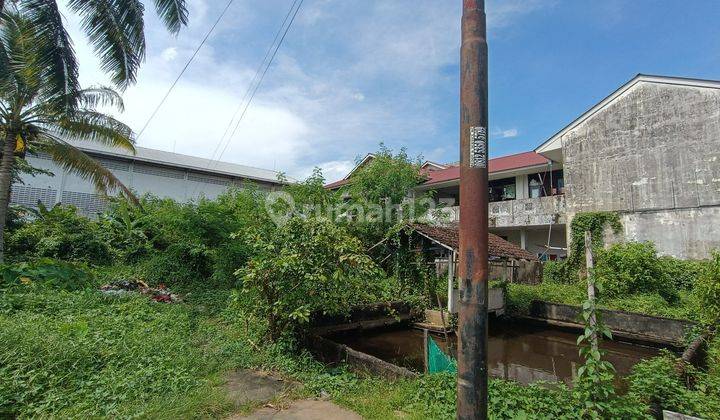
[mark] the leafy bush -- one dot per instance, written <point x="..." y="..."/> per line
<point x="519" y="297"/>
<point x="186" y="245"/>
<point x="707" y="291"/>
<point x="656" y="382"/>
<point x="46" y="273"/>
<point x="62" y="233"/>
<point x="306" y="265"/>
<point x="630" y="268"/>
<point x="434" y="396"/>
<point x="595" y="223"/>
<point x="380" y="190"/>
<point x="558" y="272"/>
<point x="594" y="388"/>
<point x="683" y="274"/>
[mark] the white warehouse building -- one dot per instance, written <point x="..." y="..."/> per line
<point x="160" y="173"/>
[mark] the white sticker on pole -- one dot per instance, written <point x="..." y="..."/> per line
<point x="478" y="147"/>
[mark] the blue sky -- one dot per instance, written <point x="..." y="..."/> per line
<point x="354" y="73"/>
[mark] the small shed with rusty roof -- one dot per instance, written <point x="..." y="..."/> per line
<point x="447" y="237"/>
<point x="441" y="244"/>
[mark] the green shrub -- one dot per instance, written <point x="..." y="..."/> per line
<point x="434" y="397"/>
<point x="707" y="291"/>
<point x="46" y="273"/>
<point x="519" y="296"/>
<point x="656" y="382"/>
<point x="558" y="272"/>
<point x="595" y="223"/>
<point x="307" y="265"/>
<point x="630" y="268"/>
<point x="185" y="245"/>
<point x="61" y="233"/>
<point x="683" y="274"/>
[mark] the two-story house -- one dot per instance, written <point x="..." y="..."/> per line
<point x="650" y="151"/>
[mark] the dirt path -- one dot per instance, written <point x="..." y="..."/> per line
<point x="305" y="410"/>
<point x="249" y="389"/>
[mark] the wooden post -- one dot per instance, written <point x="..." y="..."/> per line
<point x="451" y="283"/>
<point x="590" y="264"/>
<point x="425" y="349"/>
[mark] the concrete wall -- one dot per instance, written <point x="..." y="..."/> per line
<point x="527" y="212"/>
<point x="623" y="324"/>
<point x="681" y="233"/>
<point x="163" y="181"/>
<point x="654" y="155"/>
<point x="516" y="213"/>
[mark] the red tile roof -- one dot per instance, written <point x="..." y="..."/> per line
<point x="504" y="163"/>
<point x="500" y="164"/>
<point x="448" y="235"/>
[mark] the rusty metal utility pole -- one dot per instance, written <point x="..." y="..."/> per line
<point x="472" y="381"/>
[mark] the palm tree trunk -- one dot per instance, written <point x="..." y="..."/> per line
<point x="6" y="166"/>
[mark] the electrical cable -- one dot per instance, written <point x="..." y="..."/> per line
<point x="192" y="58"/>
<point x="254" y="79"/>
<point x="257" y="86"/>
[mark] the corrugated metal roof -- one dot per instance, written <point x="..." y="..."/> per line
<point x="162" y="157"/>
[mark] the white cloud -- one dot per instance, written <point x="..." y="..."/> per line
<point x="506" y="134"/>
<point x="332" y="170"/>
<point x="169" y="54"/>
<point x="312" y="106"/>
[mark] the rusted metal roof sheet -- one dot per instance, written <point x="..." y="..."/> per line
<point x="448" y="236"/>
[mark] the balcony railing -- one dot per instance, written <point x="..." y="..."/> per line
<point x="514" y="213"/>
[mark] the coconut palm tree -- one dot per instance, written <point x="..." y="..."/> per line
<point x="115" y="29"/>
<point x="36" y="117"/>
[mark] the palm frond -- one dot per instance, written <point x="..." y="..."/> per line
<point x="22" y="75"/>
<point x="95" y="126"/>
<point x="78" y="162"/>
<point x="117" y="33"/>
<point x="101" y="96"/>
<point x="46" y="111"/>
<point x="57" y="60"/>
<point x="6" y="77"/>
<point x="173" y="13"/>
<point x="89" y="98"/>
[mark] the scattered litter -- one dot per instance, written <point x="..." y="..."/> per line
<point x="158" y="294"/>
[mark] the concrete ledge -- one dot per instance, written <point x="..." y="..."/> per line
<point x="670" y="415"/>
<point x="331" y="352"/>
<point x="623" y="324"/>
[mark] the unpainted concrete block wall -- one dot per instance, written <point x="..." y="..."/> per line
<point x="653" y="155"/>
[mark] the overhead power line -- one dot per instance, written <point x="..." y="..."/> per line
<point x="192" y="58"/>
<point x="258" y="72"/>
<point x="262" y="76"/>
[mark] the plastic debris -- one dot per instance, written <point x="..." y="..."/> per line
<point x="158" y="294"/>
